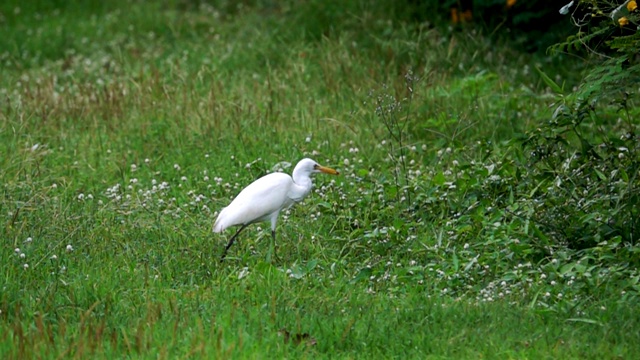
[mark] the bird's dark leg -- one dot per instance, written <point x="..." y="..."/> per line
<point x="273" y="236"/>
<point x="231" y="242"/>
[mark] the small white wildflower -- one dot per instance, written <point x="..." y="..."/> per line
<point x="54" y="186"/>
<point x="69" y="248"/>
<point x="17" y="251"/>
<point x="54" y="257"/>
<point x="243" y="273"/>
<point x="81" y="196"/>
<point x="28" y="240"/>
<point x="308" y="139"/>
<point x="176" y="166"/>
<point x="466" y="246"/>
<point x="23" y="255"/>
<point x="184" y="178"/>
<point x="26" y="266"/>
<point x="346" y="162"/>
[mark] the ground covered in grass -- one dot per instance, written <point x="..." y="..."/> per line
<point x="458" y="228"/>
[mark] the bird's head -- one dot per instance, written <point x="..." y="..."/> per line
<point x="310" y="166"/>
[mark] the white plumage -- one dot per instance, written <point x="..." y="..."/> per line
<point x="264" y="198"/>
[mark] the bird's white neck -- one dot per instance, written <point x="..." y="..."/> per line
<point x="303" y="183"/>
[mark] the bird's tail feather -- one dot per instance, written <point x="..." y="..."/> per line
<point x="219" y="225"/>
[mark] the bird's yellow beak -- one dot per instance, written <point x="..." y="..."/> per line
<point x="327" y="170"/>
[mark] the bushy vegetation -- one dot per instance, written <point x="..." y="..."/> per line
<point x="487" y="202"/>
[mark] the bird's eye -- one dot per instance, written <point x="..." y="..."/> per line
<point x="316" y="166"/>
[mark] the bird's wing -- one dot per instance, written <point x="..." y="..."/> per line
<point x="256" y="202"/>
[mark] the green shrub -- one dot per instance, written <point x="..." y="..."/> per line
<point x="587" y="155"/>
<point x="560" y="203"/>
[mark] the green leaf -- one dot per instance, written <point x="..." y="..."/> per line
<point x="324" y="204"/>
<point x="312" y="265"/>
<point x="456" y="263"/>
<point x="584" y="320"/>
<point x="470" y="264"/>
<point x="398" y="223"/>
<point x="297" y="273"/>
<point x="363" y="274"/>
<point x="439" y="179"/>
<point x="624" y="175"/>
<point x="540" y="234"/>
<point x="550" y="83"/>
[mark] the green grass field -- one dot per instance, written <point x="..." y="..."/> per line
<point x="126" y="126"/>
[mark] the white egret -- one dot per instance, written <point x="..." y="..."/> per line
<point x="264" y="198"/>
